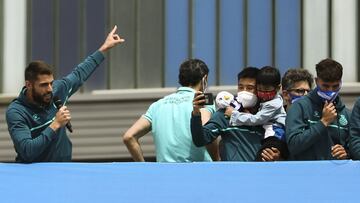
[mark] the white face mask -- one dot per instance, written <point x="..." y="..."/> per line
<point x="247" y="99"/>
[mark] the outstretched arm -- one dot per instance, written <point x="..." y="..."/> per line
<point x="212" y="148"/>
<point x="84" y="70"/>
<point x="132" y="136"/>
<point x="203" y="135"/>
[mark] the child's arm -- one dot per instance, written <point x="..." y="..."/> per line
<point x="266" y="113"/>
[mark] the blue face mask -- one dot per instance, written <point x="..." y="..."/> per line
<point x="327" y="95"/>
<point x="294" y="98"/>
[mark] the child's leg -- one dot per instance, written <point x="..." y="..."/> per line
<point x="274" y="137"/>
<point x="269" y="131"/>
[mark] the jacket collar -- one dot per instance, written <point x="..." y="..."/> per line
<point x="24" y="100"/>
<point x="186" y="89"/>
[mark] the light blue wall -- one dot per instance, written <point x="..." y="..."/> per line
<point x="176" y="38"/>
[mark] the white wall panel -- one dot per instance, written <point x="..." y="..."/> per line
<point x="14" y="45"/>
<point x="315" y="32"/>
<point x="344" y="37"/>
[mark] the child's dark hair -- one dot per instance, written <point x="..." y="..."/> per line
<point x="269" y="76"/>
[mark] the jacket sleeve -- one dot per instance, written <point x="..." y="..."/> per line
<point x="27" y="147"/>
<point x="266" y="113"/>
<point x="203" y="135"/>
<point x="355" y="131"/>
<point x="299" y="134"/>
<point x="82" y="72"/>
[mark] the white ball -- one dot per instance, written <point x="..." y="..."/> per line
<point x="223" y="99"/>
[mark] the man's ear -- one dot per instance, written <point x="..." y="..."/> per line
<point x="285" y="95"/>
<point x="316" y="81"/>
<point x="28" y="84"/>
<point x="278" y="88"/>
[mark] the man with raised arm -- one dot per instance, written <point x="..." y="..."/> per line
<point x="35" y="124"/>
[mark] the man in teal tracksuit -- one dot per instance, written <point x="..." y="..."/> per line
<point x="36" y="126"/>
<point x="317" y="125"/>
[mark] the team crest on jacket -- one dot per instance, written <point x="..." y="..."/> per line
<point x="36" y="117"/>
<point x="316" y="114"/>
<point x="342" y="120"/>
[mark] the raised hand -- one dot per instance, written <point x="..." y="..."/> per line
<point x="198" y="102"/>
<point x="328" y="114"/>
<point x="111" y="40"/>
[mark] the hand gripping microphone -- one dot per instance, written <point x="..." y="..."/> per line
<point x="58" y="105"/>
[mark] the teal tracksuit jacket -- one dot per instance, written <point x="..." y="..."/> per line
<point x="306" y="135"/>
<point x="238" y="143"/>
<point x="355" y="131"/>
<point x="28" y="124"/>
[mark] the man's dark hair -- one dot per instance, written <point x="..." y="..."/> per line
<point x="192" y="71"/>
<point x="269" y="76"/>
<point x="295" y="75"/>
<point x="248" y="72"/>
<point x="36" y="68"/>
<point x="329" y="70"/>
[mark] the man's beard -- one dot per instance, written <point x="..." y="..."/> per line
<point x="40" y="99"/>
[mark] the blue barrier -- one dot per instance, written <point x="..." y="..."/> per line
<point x="321" y="181"/>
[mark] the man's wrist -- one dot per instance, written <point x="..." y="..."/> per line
<point x="55" y="126"/>
<point x="324" y="122"/>
<point x="196" y="112"/>
<point x="102" y="49"/>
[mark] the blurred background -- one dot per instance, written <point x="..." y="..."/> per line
<point x="227" y="34"/>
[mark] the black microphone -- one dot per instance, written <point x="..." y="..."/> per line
<point x="58" y="104"/>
